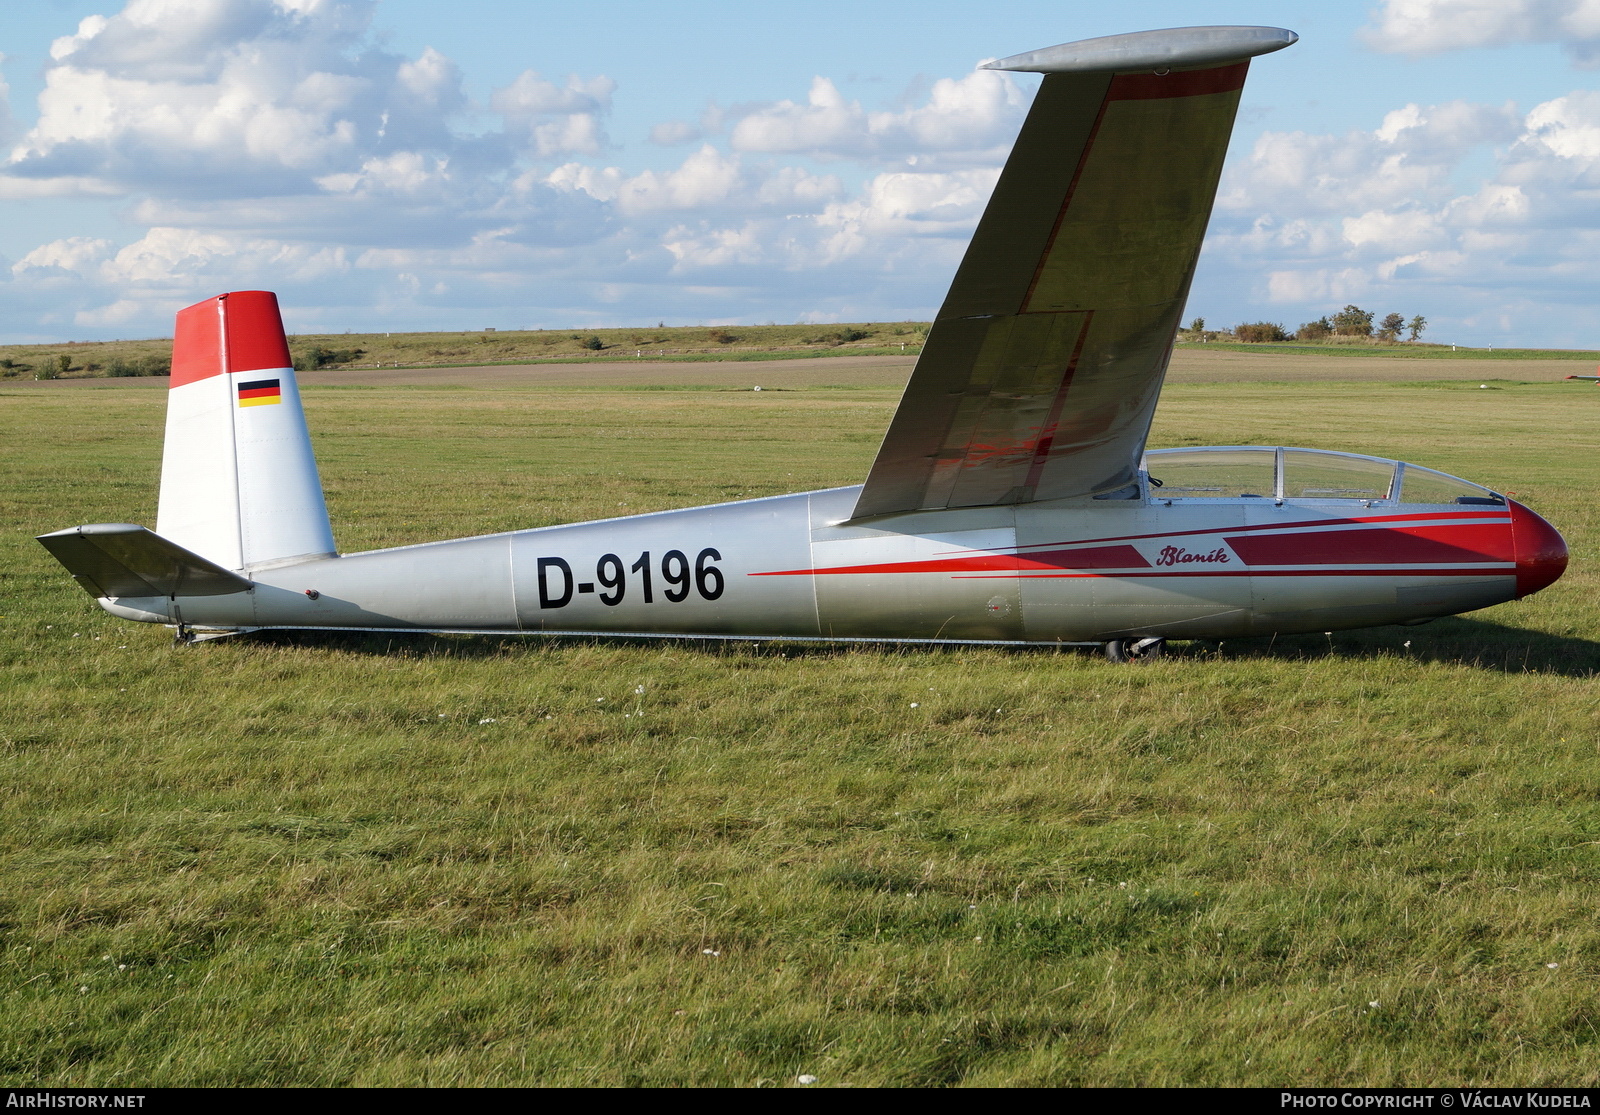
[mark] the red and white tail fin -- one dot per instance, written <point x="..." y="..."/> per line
<point x="239" y="485"/>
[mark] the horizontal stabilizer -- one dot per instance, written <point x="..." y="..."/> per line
<point x="126" y="560"/>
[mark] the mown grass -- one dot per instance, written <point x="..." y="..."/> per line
<point x="349" y="860"/>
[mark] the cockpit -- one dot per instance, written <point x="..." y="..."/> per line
<point x="1275" y="472"/>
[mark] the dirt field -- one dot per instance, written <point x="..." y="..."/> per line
<point x="1236" y="367"/>
<point x="886" y="371"/>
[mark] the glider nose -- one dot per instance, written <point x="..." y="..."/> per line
<point x="1540" y="550"/>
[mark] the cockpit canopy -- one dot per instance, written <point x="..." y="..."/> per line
<point x="1281" y="473"/>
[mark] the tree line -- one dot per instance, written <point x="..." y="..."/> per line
<point x="1352" y="321"/>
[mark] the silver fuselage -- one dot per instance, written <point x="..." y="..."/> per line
<point x="790" y="567"/>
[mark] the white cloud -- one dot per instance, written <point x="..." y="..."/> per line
<point x="121" y="312"/>
<point x="706" y="178"/>
<point x="1567" y="127"/>
<point x="1411" y="155"/>
<point x="251" y="98"/>
<point x="275" y="143"/>
<point x="552" y="119"/>
<point x="675" y="132"/>
<point x="600" y="183"/>
<point x="7" y="124"/>
<point x="970" y="119"/>
<point x="1403" y="215"/>
<point x="1434" y="26"/>
<point x="79" y="254"/>
<point x="1406" y="229"/>
<point x="230" y="97"/>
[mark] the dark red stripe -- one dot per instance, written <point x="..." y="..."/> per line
<point x="1047" y="433"/>
<point x="1447" y="572"/>
<point x="1103" y="557"/>
<point x="1061" y="214"/>
<point x="1230" y="530"/>
<point x="1366" y="547"/>
<point x="1186" y="83"/>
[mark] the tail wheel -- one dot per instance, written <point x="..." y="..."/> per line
<point x="1135" y="650"/>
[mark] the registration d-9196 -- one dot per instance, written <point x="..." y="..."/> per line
<point x="672" y="578"/>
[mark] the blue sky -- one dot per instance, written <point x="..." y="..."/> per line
<point x="406" y="164"/>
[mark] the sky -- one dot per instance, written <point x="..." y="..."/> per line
<point x="411" y="165"/>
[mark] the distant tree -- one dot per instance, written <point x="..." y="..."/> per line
<point x="840" y="337"/>
<point x="1314" y="330"/>
<point x="1198" y="325"/>
<point x="1391" y="327"/>
<point x="1418" y="324"/>
<point x="1353" y="321"/>
<point x="1258" y="332"/>
<point x="63" y="364"/>
<point x="593" y="343"/>
<point x="318" y="357"/>
<point x="149" y="365"/>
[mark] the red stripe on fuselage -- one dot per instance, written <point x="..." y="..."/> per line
<point x="1401" y="549"/>
<point x="1103" y="557"/>
<point x="1395" y="545"/>
<point x="1399" y="571"/>
<point x="1307" y="525"/>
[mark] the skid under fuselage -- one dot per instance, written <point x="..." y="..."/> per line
<point x="792" y="567"/>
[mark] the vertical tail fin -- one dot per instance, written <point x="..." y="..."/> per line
<point x="239" y="484"/>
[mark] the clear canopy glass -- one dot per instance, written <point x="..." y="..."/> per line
<point x="1302" y="475"/>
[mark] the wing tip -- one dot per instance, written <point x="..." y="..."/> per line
<point x="1169" y="48"/>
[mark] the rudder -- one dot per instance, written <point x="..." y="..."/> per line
<point x="239" y="484"/>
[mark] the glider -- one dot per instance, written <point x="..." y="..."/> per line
<point x="1012" y="500"/>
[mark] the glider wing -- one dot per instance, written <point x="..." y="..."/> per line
<point x="1040" y="374"/>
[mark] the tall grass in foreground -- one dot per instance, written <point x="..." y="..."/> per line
<point x="1369" y="858"/>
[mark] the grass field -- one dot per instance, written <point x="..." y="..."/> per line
<point x="320" y="355"/>
<point x="326" y="860"/>
<point x="489" y="347"/>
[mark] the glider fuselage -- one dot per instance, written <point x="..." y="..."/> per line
<point x="788" y="567"/>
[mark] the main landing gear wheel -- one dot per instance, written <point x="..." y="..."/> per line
<point x="1135" y="650"/>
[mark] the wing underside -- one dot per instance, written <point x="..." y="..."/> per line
<point x="1040" y="374"/>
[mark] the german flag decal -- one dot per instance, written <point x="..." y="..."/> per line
<point x="259" y="393"/>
